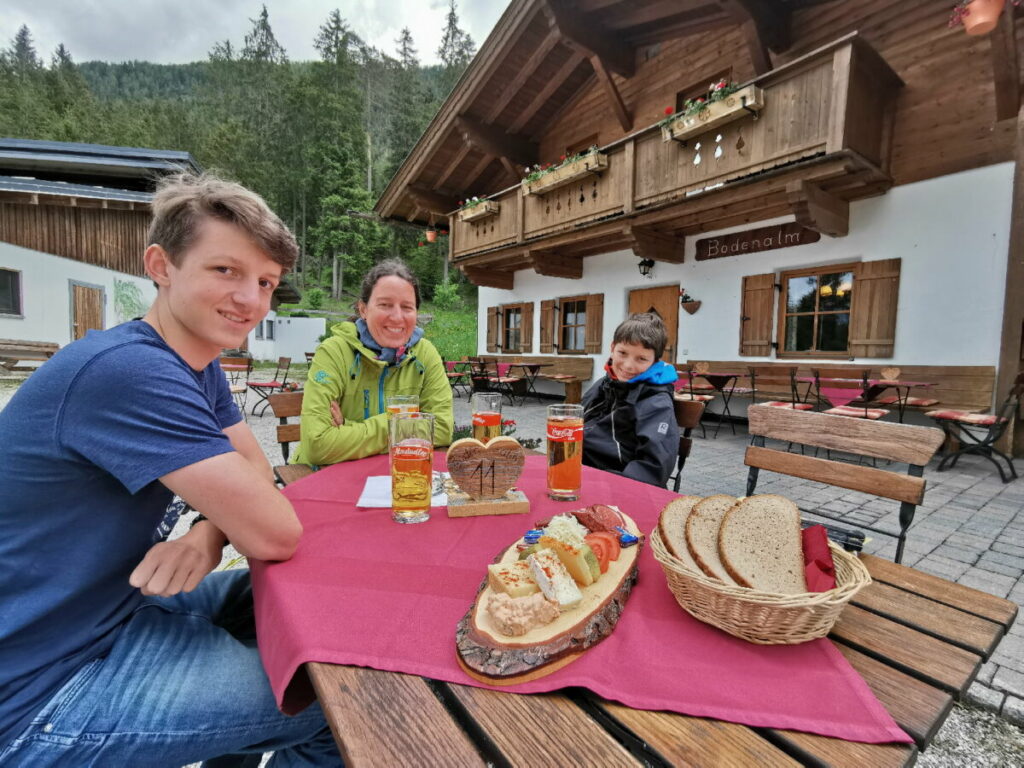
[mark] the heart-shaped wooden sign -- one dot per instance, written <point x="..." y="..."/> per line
<point x="486" y="471"/>
<point x="890" y="374"/>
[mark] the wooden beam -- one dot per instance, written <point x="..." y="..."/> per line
<point x="1012" y="342"/>
<point x="1005" y="69"/>
<point x="414" y="214"/>
<point x="552" y="264"/>
<point x="494" y="141"/>
<point x="604" y="77"/>
<point x="453" y="166"/>
<point x="586" y="35"/>
<point x="489" y="278"/>
<point x="516" y="84"/>
<point x="554" y="83"/>
<point x="432" y="201"/>
<point x="818" y="210"/>
<point x="770" y="22"/>
<point x="651" y="244"/>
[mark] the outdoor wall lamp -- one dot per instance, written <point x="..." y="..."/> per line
<point x="645" y="266"/>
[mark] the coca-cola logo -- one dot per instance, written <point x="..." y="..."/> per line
<point x="565" y="434"/>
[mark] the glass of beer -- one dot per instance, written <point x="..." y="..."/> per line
<point x="486" y="415"/>
<point x="411" y="449"/>
<point x="401" y="404"/>
<point x="565" y="451"/>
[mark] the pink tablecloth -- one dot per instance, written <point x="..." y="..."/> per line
<point x="365" y="591"/>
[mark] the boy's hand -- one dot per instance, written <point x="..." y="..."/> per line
<point x="336" y="414"/>
<point x="179" y="565"/>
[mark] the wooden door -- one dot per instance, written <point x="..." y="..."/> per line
<point x="664" y="302"/>
<point x="86" y="309"/>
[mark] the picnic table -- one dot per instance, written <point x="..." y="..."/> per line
<point x="916" y="640"/>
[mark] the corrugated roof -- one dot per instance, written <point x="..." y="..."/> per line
<point x="42" y="187"/>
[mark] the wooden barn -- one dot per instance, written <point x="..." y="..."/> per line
<point x="854" y="200"/>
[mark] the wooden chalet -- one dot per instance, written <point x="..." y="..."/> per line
<point x="869" y="145"/>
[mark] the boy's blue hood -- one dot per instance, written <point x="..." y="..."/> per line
<point x="659" y="373"/>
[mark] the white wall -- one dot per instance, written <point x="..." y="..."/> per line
<point x="951" y="233"/>
<point x="46" y="296"/>
<point x="293" y="337"/>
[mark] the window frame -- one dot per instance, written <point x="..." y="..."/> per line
<point x="18" y="293"/>
<point x="783" y="278"/>
<point x="560" y="326"/>
<point x="503" y="328"/>
<point x="270" y="333"/>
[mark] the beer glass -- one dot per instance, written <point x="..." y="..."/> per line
<point x="401" y="404"/>
<point x="565" y="451"/>
<point x="411" y="449"/>
<point x="486" y="415"/>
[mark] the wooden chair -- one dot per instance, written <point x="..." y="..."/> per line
<point x="914" y="446"/>
<point x="264" y="389"/>
<point x="238" y="379"/>
<point x="688" y="414"/>
<point x="978" y="433"/>
<point x="459" y="373"/>
<point x="286" y="405"/>
<point x="776" y="379"/>
<point x="859" y="406"/>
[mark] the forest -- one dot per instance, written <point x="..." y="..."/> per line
<point x="318" y="139"/>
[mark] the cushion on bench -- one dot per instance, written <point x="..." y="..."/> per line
<point x="917" y="402"/>
<point x="857" y="413"/>
<point x="978" y="419"/>
<point x="788" y="404"/>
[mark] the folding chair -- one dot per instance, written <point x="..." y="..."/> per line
<point x="264" y="389"/>
<point x="688" y="414"/>
<point x="978" y="432"/>
<point x="530" y="373"/>
<point x="459" y="375"/>
<point x="237" y="370"/>
<point x="285" y="405"/>
<point x="912" y="445"/>
<point x="500" y="381"/>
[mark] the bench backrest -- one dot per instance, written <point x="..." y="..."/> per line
<point x="15" y="346"/>
<point x="286" y="405"/>
<point x="580" y="366"/>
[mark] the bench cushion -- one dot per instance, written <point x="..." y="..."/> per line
<point x="695" y="398"/>
<point x="965" y="417"/>
<point x="918" y="402"/>
<point x="857" y="413"/>
<point x="788" y="404"/>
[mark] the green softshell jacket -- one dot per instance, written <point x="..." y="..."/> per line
<point x="346" y="371"/>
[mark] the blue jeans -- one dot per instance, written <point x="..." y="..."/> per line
<point x="182" y="683"/>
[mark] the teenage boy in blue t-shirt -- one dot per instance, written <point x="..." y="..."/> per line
<point x="118" y="647"/>
<point x="629" y="424"/>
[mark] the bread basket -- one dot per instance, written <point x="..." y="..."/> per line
<point x="762" y="617"/>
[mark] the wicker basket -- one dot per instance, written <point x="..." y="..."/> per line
<point x="762" y="617"/>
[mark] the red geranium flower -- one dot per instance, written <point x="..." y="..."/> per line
<point x="420" y="244"/>
<point x="562" y="158"/>
<point x="669" y="110"/>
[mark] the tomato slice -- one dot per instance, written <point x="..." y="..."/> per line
<point x="600" y="547"/>
<point x="614" y="548"/>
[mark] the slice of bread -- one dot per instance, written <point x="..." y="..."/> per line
<point x="760" y="545"/>
<point x="672" y="526"/>
<point x="702" y="534"/>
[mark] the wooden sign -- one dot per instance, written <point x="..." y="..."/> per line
<point x="754" y="240"/>
<point x="485" y="476"/>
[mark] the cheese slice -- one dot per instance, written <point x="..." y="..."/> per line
<point x="554" y="581"/>
<point x="514" y="579"/>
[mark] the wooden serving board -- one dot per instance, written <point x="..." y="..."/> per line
<point x="497" y="659"/>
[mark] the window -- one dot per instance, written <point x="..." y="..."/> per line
<point x="572" y="325"/>
<point x="846" y="310"/>
<point x="815" y="311"/>
<point x="512" y="329"/>
<point x="259" y="330"/>
<point x="10" y="292"/>
<point x="270" y="330"/>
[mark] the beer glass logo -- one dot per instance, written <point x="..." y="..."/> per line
<point x="410" y="449"/>
<point x="565" y="434"/>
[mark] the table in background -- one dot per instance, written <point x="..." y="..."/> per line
<point x="725" y="384"/>
<point x="875" y="388"/>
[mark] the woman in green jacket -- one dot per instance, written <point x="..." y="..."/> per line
<point x="353" y="371"/>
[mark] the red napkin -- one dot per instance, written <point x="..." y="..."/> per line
<point x="819" y="568"/>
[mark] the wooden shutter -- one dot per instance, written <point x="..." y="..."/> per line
<point x="876" y="288"/>
<point x="492" y="329"/>
<point x="547" y="326"/>
<point x="756" y="315"/>
<point x="526" y="334"/>
<point x="595" y="324"/>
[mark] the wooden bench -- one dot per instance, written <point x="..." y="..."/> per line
<point x="14" y="351"/>
<point x="570" y="370"/>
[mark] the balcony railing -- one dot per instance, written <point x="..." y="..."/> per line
<point x="835" y="100"/>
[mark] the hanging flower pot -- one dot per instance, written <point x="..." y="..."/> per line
<point x="979" y="17"/>
<point x="431" y="235"/>
<point x="690" y="306"/>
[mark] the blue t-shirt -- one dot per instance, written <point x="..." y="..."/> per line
<point x="83" y="443"/>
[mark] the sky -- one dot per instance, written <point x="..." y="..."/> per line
<point x="185" y="30"/>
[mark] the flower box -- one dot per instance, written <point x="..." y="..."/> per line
<point x="481" y="210"/>
<point x="588" y="165"/>
<point x="716" y="113"/>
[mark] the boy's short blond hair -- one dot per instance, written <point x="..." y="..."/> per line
<point x="182" y="201"/>
<point x="645" y="329"/>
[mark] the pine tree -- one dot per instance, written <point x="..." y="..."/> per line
<point x="22" y="53"/>
<point x="408" y="104"/>
<point x="455" y="52"/>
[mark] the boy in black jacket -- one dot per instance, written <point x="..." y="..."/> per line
<point x="629" y="424"/>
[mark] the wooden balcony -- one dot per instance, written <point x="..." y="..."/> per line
<point x="821" y="140"/>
